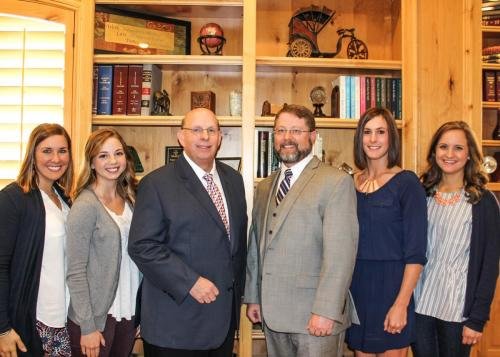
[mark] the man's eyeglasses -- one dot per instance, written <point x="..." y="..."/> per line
<point x="294" y="132"/>
<point x="200" y="131"/>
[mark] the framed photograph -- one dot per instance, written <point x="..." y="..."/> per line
<point x="119" y="31"/>
<point x="172" y="153"/>
<point x="234" y="162"/>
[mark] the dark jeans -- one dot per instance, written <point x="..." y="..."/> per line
<point x="438" y="338"/>
<point x="119" y="337"/>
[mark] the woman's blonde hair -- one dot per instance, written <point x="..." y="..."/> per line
<point x="127" y="183"/>
<point x="28" y="176"/>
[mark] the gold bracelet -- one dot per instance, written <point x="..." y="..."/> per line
<point x="5" y="333"/>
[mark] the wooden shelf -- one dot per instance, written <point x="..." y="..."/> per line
<point x="173" y="2"/>
<point x="331" y="123"/>
<point x="490" y="29"/>
<point x="264" y="62"/>
<point x="173" y="62"/>
<point x="491" y="105"/>
<point x="493" y="186"/>
<point x="491" y="143"/>
<point x="493" y="66"/>
<point x="174" y="120"/>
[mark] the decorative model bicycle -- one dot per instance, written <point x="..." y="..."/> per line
<point x="304" y="27"/>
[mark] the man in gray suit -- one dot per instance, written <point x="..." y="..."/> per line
<point x="302" y="246"/>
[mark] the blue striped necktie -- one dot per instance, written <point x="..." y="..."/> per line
<point x="284" y="186"/>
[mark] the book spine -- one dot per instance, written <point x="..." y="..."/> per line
<point x="342" y="97"/>
<point x="368" y="92"/>
<point x="147" y="73"/>
<point x="383" y="93"/>
<point x="497" y="86"/>
<point x="489" y="88"/>
<point x="362" y="95"/>
<point x="400" y="99"/>
<point x="373" y="92"/>
<point x="348" y="96"/>
<point x="95" y="83"/>
<point x="378" y="94"/>
<point x="357" y="95"/>
<point x="104" y="89"/>
<point x="263" y="142"/>
<point x="120" y="84"/>
<point x="134" y="89"/>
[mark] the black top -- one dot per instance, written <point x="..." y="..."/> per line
<point x="483" y="261"/>
<point x="22" y="236"/>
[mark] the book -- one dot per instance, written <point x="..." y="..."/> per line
<point x="262" y="153"/>
<point x="335" y="102"/>
<point x="340" y="82"/>
<point x="151" y="82"/>
<point x="104" y="89"/>
<point x="120" y="87"/>
<point x="489" y="86"/>
<point x="95" y="80"/>
<point x="491" y="50"/>
<point x="134" y="89"/>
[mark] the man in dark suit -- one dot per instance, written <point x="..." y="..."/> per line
<point x="188" y="239"/>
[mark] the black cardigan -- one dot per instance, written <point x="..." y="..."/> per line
<point x="483" y="261"/>
<point x="22" y="236"/>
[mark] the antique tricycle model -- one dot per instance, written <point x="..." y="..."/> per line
<point x="304" y="27"/>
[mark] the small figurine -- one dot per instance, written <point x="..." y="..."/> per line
<point x="266" y="109"/>
<point x="161" y="103"/>
<point x="211" y="39"/>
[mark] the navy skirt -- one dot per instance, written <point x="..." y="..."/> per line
<point x="375" y="286"/>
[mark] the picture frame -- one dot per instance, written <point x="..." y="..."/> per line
<point x="121" y="31"/>
<point x="172" y="153"/>
<point x="234" y="162"/>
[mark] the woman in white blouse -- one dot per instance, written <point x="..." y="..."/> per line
<point x="33" y="211"/>
<point x="456" y="288"/>
<point x="102" y="279"/>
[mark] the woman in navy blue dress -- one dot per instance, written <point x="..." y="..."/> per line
<point x="392" y="218"/>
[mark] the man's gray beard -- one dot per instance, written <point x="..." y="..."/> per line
<point x="295" y="157"/>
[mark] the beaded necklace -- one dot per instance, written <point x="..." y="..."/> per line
<point x="440" y="200"/>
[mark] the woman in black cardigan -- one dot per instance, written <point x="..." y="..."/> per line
<point x="45" y="178"/>
<point x="457" y="285"/>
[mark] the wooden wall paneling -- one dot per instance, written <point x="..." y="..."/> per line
<point x="179" y="84"/>
<point x="247" y="144"/>
<point x="444" y="70"/>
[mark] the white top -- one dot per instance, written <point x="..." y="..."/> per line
<point x="53" y="295"/>
<point x="124" y="304"/>
<point x="200" y="173"/>
<point x="440" y="292"/>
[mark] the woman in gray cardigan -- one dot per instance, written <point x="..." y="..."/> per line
<point x="102" y="279"/>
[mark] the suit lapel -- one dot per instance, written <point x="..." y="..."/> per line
<point x="196" y="188"/>
<point x="288" y="202"/>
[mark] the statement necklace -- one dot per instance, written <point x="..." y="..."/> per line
<point x="440" y="200"/>
<point x="369" y="185"/>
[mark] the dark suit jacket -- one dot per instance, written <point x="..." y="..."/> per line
<point x="177" y="236"/>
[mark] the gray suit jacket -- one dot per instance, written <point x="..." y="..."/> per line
<point x="301" y="254"/>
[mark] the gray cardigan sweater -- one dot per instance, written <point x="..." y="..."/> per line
<point x="94" y="256"/>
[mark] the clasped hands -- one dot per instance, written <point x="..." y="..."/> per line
<point x="317" y="325"/>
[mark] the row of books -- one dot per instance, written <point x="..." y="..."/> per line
<point x="266" y="160"/>
<point x="125" y="89"/>
<point x="491" y="86"/>
<point x="353" y="95"/>
<point x="490" y="14"/>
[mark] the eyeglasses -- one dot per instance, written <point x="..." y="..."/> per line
<point x="294" y="132"/>
<point x="200" y="131"/>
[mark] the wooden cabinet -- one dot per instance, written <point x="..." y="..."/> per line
<point x="254" y="61"/>
<point x="490" y="36"/>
